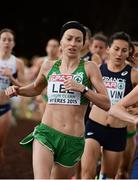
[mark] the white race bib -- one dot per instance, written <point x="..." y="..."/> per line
<point x="56" y="91"/>
<point x="115" y="90"/>
<point x="4" y="82"/>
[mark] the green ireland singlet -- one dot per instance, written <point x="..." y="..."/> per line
<point x="56" y="92"/>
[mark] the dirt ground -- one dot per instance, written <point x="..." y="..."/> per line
<point x="18" y="161"/>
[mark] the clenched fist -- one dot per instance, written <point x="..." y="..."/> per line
<point x="70" y="84"/>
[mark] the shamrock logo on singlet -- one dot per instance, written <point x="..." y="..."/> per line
<point x="121" y="85"/>
<point x="78" y="77"/>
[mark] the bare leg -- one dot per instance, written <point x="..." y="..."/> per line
<point x="127" y="159"/>
<point x="77" y="174"/>
<point x="60" y="172"/>
<point x="5" y="123"/>
<point x="42" y="161"/>
<point x="90" y="157"/>
<point x="110" y="163"/>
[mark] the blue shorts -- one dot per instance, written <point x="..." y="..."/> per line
<point x="5" y="108"/>
<point x="112" y="139"/>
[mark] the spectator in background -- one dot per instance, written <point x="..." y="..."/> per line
<point x="52" y="54"/>
<point x="86" y="55"/>
<point x="135" y="55"/>
<point x="134" y="61"/>
<point x="36" y="63"/>
<point x="98" y="46"/>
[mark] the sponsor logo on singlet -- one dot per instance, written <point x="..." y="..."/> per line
<point x="124" y="73"/>
<point x="115" y="87"/>
<point x="56" y="90"/>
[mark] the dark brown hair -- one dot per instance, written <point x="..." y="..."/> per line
<point x="7" y="30"/>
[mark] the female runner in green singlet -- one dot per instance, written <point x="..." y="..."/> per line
<point x="59" y="139"/>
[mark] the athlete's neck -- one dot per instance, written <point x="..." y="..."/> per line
<point x="116" y="67"/>
<point x="69" y="65"/>
<point x="52" y="58"/>
<point x="5" y="55"/>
